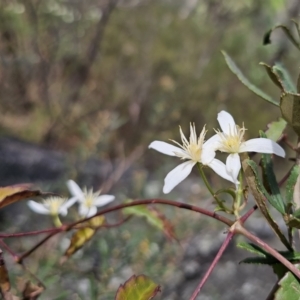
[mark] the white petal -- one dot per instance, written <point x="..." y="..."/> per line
<point x="69" y="203"/>
<point x="38" y="207"/>
<point x="75" y="190"/>
<point x="165" y="148"/>
<point x="233" y="165"/>
<point x="83" y="210"/>
<point x="92" y="211"/>
<point x="226" y="122"/>
<point x="220" y="169"/>
<point x="213" y="142"/>
<point x="63" y="211"/>
<point x="207" y="155"/>
<point x="262" y="145"/>
<point x="177" y="175"/>
<point x="103" y="200"/>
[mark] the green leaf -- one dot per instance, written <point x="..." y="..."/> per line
<point x="153" y="217"/>
<point x="271" y="182"/>
<point x="138" y="287"/>
<point x="233" y="67"/>
<point x="286" y="30"/>
<point x="275" y="129"/>
<point x="285" y="79"/>
<point x="290" y="110"/>
<point x="275" y="199"/>
<point x="289" y="288"/>
<point x="252" y="248"/>
<point x="291" y="184"/>
<point x="281" y="77"/>
<point x="273" y="76"/>
<point x="250" y="170"/>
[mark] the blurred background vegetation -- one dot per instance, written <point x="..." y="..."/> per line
<point x="95" y="76"/>
<point x="104" y="78"/>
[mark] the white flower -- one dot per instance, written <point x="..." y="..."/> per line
<point x="231" y="140"/>
<point x="52" y="206"/>
<point x="195" y="151"/>
<point x="88" y="201"/>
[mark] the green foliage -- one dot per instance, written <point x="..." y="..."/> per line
<point x="291" y="184"/>
<point x="275" y="199"/>
<point x="290" y="109"/>
<point x="275" y="129"/>
<point x="233" y="67"/>
<point x="139" y="288"/>
<point x="153" y="217"/>
<point x="289" y="288"/>
<point x="270" y="181"/>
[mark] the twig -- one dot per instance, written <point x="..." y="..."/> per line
<point x="213" y="264"/>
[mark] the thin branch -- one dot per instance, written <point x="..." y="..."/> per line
<point x="213" y="264"/>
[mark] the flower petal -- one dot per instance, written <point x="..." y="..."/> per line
<point x="262" y="145"/>
<point x="226" y="122"/>
<point x="103" y="200"/>
<point x="233" y="165"/>
<point x="177" y="175"/>
<point x="207" y="155"/>
<point x="165" y="148"/>
<point x="69" y="203"/>
<point x="38" y="207"/>
<point x="83" y="210"/>
<point x="75" y="190"/>
<point x="92" y="211"/>
<point x="220" y="169"/>
<point x="213" y="142"/>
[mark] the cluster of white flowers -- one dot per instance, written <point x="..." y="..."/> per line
<point x="196" y="150"/>
<point x="87" y="200"/>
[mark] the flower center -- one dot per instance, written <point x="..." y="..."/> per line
<point x="192" y="148"/>
<point x="54" y="204"/>
<point x="231" y="142"/>
<point x="89" y="200"/>
<point x="194" y="151"/>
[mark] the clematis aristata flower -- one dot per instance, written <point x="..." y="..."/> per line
<point x="195" y="150"/>
<point x="52" y="206"/>
<point x="231" y="140"/>
<point x="88" y="201"/>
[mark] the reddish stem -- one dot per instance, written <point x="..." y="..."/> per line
<point x="213" y="264"/>
<point x="238" y="228"/>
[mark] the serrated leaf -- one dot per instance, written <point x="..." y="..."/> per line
<point x="259" y="260"/>
<point x="250" y="170"/>
<point x="291" y="184"/>
<point x="275" y="129"/>
<point x="233" y="67"/>
<point x="13" y="193"/>
<point x="153" y="217"/>
<point x="289" y="288"/>
<point x="138" y="287"/>
<point x="275" y="198"/>
<point x="252" y="248"/>
<point x="290" y="110"/>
